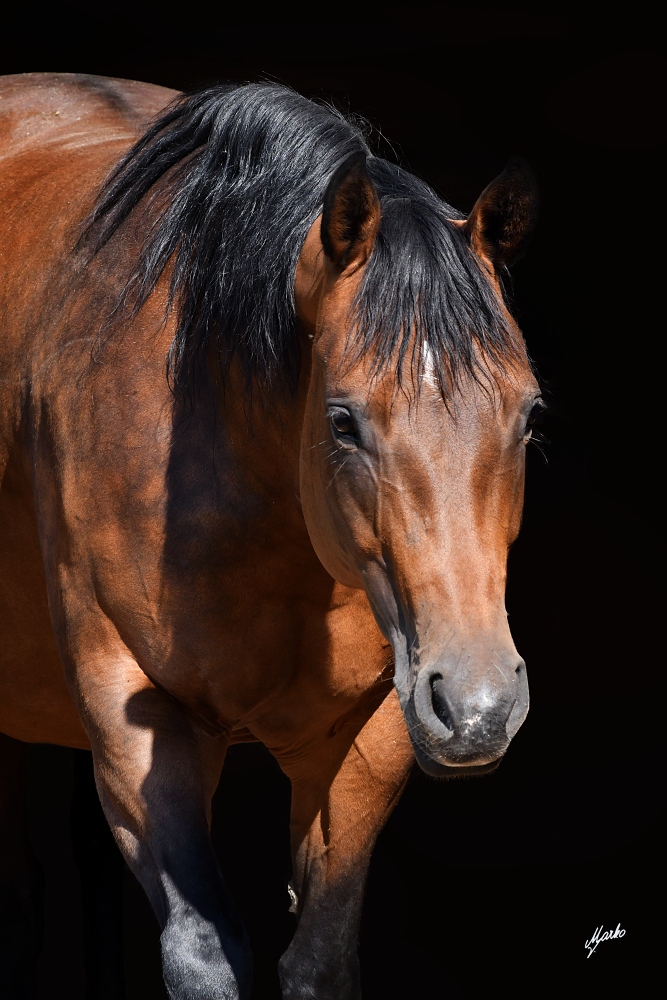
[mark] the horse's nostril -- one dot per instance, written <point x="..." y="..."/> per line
<point x="440" y="706"/>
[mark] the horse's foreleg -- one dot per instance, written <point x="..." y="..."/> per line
<point x="21" y="880"/>
<point x="338" y="808"/>
<point x="155" y="777"/>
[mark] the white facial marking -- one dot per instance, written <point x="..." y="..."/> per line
<point x="428" y="367"/>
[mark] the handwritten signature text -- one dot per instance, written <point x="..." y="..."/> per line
<point x="601" y="935"/>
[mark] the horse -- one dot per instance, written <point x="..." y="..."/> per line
<point x="264" y="412"/>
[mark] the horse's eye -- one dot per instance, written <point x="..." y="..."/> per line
<point x="534" y="416"/>
<point x="342" y="423"/>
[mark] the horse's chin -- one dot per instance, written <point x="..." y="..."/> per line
<point x="436" y="769"/>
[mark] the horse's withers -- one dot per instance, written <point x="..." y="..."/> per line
<point x="417" y="499"/>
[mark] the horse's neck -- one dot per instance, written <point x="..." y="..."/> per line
<point x="249" y="439"/>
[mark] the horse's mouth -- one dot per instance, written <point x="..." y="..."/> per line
<point x="437" y="770"/>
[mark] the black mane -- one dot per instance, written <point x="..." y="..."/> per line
<point x="235" y="176"/>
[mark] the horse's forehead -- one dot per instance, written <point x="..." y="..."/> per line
<point x="492" y="393"/>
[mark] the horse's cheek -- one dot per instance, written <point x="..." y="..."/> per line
<point x="321" y="520"/>
<point x="515" y="503"/>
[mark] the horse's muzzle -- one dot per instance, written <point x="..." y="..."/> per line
<point x="459" y="729"/>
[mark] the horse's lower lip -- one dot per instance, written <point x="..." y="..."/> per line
<point x="438" y="770"/>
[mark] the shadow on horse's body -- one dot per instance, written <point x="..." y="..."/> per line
<point x="305" y="543"/>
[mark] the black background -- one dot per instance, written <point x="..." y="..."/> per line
<point x="486" y="887"/>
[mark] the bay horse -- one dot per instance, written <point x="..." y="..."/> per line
<point x="263" y="417"/>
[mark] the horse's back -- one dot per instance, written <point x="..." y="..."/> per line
<point x="37" y="108"/>
<point x="60" y="134"/>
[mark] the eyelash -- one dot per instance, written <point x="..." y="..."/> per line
<point x="533" y="435"/>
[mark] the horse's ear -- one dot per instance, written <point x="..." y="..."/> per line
<point x="350" y="214"/>
<point x="504" y="216"/>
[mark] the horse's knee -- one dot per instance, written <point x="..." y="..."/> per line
<point x="200" y="963"/>
<point x="311" y="973"/>
<point x="321" y="962"/>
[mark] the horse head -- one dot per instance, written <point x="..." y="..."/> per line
<point x="412" y="460"/>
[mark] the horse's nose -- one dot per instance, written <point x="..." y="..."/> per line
<point x="519" y="709"/>
<point x="441" y="705"/>
<point x="471" y="721"/>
